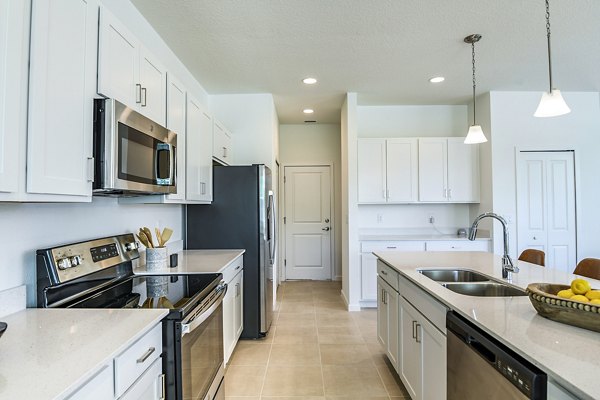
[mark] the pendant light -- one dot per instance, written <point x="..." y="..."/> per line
<point x="475" y="134"/>
<point x="552" y="103"/>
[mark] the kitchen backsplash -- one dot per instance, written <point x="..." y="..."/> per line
<point x="28" y="227"/>
<point x="403" y="216"/>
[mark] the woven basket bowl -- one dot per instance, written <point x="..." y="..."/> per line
<point x="548" y="305"/>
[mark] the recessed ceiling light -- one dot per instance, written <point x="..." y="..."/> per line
<point x="309" y="81"/>
<point x="308" y="111"/>
<point x="437" y="79"/>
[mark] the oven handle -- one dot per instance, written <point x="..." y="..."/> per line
<point x="197" y="320"/>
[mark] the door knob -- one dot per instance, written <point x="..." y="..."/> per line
<point x="325" y="229"/>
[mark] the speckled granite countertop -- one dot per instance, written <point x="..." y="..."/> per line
<point x="569" y="355"/>
<point x="48" y="353"/>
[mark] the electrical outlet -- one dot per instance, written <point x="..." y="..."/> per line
<point x="431" y="219"/>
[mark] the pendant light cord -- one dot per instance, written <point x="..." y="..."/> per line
<point x="474" y="84"/>
<point x="548" y="35"/>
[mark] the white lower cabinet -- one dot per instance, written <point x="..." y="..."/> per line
<point x="99" y="387"/>
<point x="387" y="319"/>
<point x="134" y="374"/>
<point x="411" y="329"/>
<point x="233" y="306"/>
<point x="368" y="261"/>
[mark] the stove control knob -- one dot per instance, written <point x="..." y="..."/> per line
<point x="64" y="263"/>
<point x="131" y="246"/>
<point x="75" y="261"/>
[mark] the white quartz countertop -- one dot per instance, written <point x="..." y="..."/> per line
<point x="197" y="262"/>
<point x="569" y="355"/>
<point x="47" y="353"/>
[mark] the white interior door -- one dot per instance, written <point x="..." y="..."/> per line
<point x="546" y="206"/>
<point x="307" y="222"/>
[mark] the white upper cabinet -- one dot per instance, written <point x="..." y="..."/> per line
<point x="128" y="72"/>
<point x="62" y="86"/>
<point x="448" y="171"/>
<point x="198" y="153"/>
<point x="402" y="170"/>
<point x="463" y="171"/>
<point x="176" y="105"/>
<point x="387" y="170"/>
<point x="371" y="171"/>
<point x="14" y="44"/>
<point x="221" y="144"/>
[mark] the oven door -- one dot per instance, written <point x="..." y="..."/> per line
<point x="201" y="367"/>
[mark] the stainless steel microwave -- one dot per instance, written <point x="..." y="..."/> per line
<point x="133" y="154"/>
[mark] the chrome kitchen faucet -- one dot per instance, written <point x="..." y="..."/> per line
<point x="507" y="264"/>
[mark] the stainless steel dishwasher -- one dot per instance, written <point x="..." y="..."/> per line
<point x="480" y="367"/>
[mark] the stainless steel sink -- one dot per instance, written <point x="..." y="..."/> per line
<point x="485" y="289"/>
<point x="454" y="275"/>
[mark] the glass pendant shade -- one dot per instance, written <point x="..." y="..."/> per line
<point x="552" y="104"/>
<point x="475" y="135"/>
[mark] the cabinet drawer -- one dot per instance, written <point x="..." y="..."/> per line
<point x="233" y="269"/>
<point x="431" y="309"/>
<point x="132" y="363"/>
<point x="388" y="274"/>
<point x="399" y="245"/>
<point x="458" y="245"/>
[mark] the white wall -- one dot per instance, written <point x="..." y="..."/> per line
<point x="513" y="127"/>
<point x="315" y="144"/>
<point x="252" y="120"/>
<point x="448" y="217"/>
<point x="28" y="227"/>
<point x="412" y="121"/>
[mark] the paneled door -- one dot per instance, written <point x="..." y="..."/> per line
<point x="307" y="222"/>
<point x="546" y="206"/>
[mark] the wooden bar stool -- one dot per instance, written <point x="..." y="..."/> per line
<point x="589" y="267"/>
<point x="533" y="256"/>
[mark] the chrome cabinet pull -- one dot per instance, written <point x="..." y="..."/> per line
<point x="445" y="193"/>
<point x="383" y="272"/>
<point x="144" y="98"/>
<point x="145" y="356"/>
<point x="390" y="247"/>
<point x="138" y="93"/>
<point x="90" y="169"/>
<point x="163" y="393"/>
<point x="449" y="193"/>
<point x="414" y="334"/>
<point x="417" y="334"/>
<point x="238" y="267"/>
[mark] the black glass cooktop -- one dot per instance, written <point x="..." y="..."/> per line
<point x="175" y="292"/>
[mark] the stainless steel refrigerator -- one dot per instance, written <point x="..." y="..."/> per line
<point x="241" y="216"/>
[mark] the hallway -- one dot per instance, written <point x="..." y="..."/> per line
<point x="316" y="350"/>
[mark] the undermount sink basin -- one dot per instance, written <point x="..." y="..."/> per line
<point x="454" y="275"/>
<point x="485" y="289"/>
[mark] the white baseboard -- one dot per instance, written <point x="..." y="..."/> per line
<point x="368" y="303"/>
<point x="350" y="307"/>
<point x="12" y="300"/>
<point x="337" y="278"/>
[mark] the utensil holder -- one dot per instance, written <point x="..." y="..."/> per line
<point x="156" y="258"/>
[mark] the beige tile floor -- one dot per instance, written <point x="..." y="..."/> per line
<point x="315" y="350"/>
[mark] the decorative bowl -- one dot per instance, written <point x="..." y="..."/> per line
<point x="548" y="305"/>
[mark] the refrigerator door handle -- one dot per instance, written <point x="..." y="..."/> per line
<point x="272" y="215"/>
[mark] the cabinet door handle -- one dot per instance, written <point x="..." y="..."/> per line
<point x="145" y="356"/>
<point x="90" y="169"/>
<point x="144" y="97"/>
<point x="383" y="193"/>
<point x="449" y="193"/>
<point x="238" y="267"/>
<point x="224" y="152"/>
<point x="445" y="193"/>
<point x="417" y="334"/>
<point x="414" y="334"/>
<point x="391" y="247"/>
<point x="163" y="393"/>
<point x="138" y="93"/>
<point x="383" y="272"/>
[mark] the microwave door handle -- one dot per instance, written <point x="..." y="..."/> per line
<point x="169" y="148"/>
<point x="190" y="325"/>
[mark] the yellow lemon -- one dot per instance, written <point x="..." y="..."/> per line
<point x="565" y="294"/>
<point x="580" y="286"/>
<point x="593" y="294"/>
<point x="595" y="301"/>
<point x="580" y="298"/>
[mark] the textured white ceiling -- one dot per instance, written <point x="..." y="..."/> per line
<point x="385" y="50"/>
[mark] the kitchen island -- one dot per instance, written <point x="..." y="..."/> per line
<point x="569" y="355"/>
